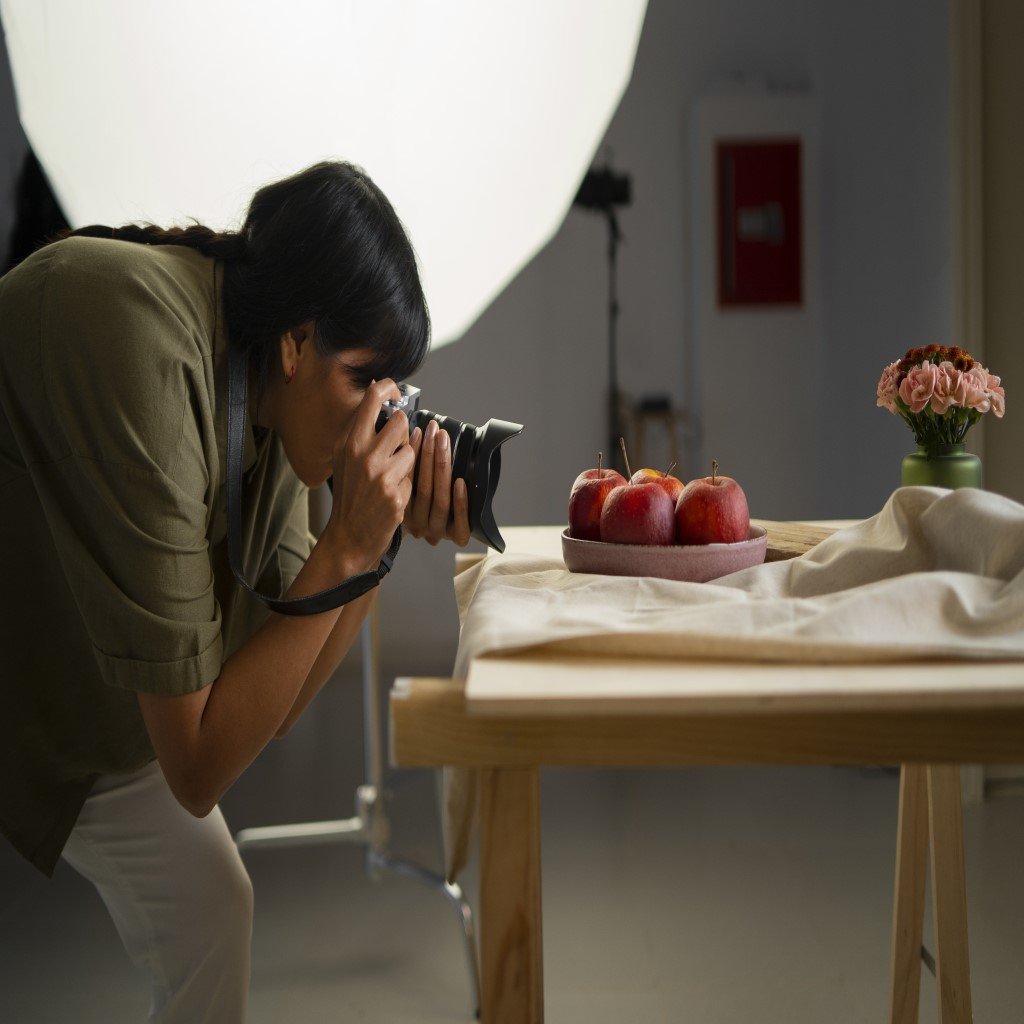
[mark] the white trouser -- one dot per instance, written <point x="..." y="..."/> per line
<point x="178" y="893"/>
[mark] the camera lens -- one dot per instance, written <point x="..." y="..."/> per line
<point x="476" y="457"/>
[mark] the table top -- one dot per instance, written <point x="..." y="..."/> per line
<point x="539" y="684"/>
<point x="431" y="725"/>
<point x="546" y="708"/>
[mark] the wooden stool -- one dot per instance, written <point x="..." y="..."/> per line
<point x="930" y="814"/>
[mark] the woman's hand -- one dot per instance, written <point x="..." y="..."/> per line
<point x="372" y="477"/>
<point x="436" y="510"/>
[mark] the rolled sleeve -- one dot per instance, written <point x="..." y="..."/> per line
<point x="166" y="678"/>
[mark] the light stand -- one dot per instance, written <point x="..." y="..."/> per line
<point x="603" y="190"/>
<point x="614" y="403"/>
<point x="369" y="827"/>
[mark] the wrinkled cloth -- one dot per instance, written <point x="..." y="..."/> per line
<point x="934" y="574"/>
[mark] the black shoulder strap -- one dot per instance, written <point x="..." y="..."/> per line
<point x="348" y="590"/>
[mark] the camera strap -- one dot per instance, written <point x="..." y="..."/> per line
<point x="347" y="590"/>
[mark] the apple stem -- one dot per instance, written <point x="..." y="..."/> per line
<point x="714" y="470"/>
<point x="600" y="472"/>
<point x="670" y="468"/>
<point x="622" y="445"/>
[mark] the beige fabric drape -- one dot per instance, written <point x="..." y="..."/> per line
<point x="935" y="574"/>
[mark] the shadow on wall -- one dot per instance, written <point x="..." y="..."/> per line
<point x="38" y="215"/>
<point x="28" y="210"/>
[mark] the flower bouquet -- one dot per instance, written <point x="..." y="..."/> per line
<point x="940" y="392"/>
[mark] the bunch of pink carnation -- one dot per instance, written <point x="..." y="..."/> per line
<point x="940" y="392"/>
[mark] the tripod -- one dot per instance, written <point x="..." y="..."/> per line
<point x="369" y="827"/>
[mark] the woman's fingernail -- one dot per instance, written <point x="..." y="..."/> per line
<point x="415" y="436"/>
<point x="444" y="440"/>
<point x="431" y="430"/>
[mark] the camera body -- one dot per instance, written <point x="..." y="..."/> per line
<point x="409" y="403"/>
<point x="476" y="456"/>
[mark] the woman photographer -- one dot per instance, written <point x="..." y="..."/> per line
<point x="141" y="680"/>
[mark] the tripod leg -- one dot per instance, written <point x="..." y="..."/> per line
<point x="455" y="896"/>
<point x="377" y="857"/>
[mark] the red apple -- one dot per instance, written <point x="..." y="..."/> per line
<point x="672" y="485"/>
<point x="587" y="498"/>
<point x="638" y="514"/>
<point x="712" y="510"/>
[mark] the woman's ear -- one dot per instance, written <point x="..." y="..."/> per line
<point x="294" y="347"/>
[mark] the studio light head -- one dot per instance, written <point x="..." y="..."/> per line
<point x="603" y="189"/>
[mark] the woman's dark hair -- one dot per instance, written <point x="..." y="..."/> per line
<point x="322" y="245"/>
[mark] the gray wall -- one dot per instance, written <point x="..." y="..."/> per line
<point x="879" y="73"/>
<point x="13" y="150"/>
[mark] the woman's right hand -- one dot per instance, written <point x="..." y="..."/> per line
<point x="372" y="478"/>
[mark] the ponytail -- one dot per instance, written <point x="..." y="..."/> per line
<point x="222" y="245"/>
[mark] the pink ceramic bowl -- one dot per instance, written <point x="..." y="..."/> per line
<point x="695" y="563"/>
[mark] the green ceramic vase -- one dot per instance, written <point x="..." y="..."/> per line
<point x="945" y="465"/>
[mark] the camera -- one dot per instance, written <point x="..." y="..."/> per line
<point x="476" y="456"/>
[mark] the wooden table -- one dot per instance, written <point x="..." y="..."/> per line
<point x="516" y="714"/>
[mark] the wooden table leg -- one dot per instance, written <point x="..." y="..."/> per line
<point x="949" y="894"/>
<point x="511" y="959"/>
<point x="908" y="903"/>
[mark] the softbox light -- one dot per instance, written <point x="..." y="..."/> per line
<point x="477" y="118"/>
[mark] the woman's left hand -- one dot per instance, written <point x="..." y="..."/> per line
<point x="436" y="510"/>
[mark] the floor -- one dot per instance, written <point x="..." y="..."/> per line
<point x="719" y="896"/>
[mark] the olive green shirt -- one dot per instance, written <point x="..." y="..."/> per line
<point x="113" y="555"/>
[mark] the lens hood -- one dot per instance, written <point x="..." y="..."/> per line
<point x="476" y="457"/>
